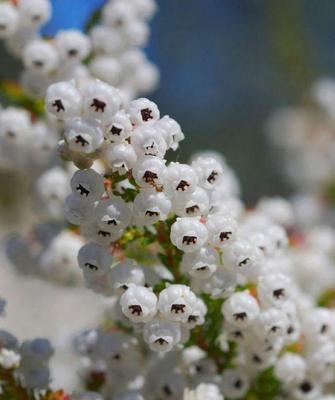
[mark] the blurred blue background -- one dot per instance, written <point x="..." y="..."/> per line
<point x="225" y="66"/>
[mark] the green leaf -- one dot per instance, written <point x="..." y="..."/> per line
<point x="330" y="193"/>
<point x="161" y="286"/>
<point x="327" y="299"/>
<point x="265" y="387"/>
<point x="94" y="19"/>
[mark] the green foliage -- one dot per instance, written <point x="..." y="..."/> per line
<point x="327" y="298"/>
<point x="94" y="19"/>
<point x="206" y="336"/>
<point x="161" y="286"/>
<point x="214" y="319"/>
<point x="13" y="94"/>
<point x="265" y="387"/>
<point x="330" y="194"/>
<point x="129" y="194"/>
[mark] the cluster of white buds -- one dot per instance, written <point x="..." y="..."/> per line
<point x="117" y="55"/>
<point x="9" y="356"/>
<point x="218" y="293"/>
<point x="34" y="370"/>
<point x="281" y="311"/>
<point x="131" y="373"/>
<point x="21" y="20"/>
<point x="26" y="143"/>
<point x="28" y="146"/>
<point x="164" y="318"/>
<point x="238" y="258"/>
<point x="47" y="252"/>
<point x="50" y="190"/>
<point x="113" y="47"/>
<point x="132" y="139"/>
<point x="304" y="138"/>
<point x="47" y="61"/>
<point x="29" y="360"/>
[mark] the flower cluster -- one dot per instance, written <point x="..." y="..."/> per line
<point x="48" y="61"/>
<point x="28" y="361"/>
<point x="304" y="138"/>
<point x="222" y="258"/>
<point x="48" y="252"/>
<point x="117" y="56"/>
<point x="28" y="139"/>
<point x="204" y="298"/>
<point x="112" y="48"/>
<point x="20" y="22"/>
<point x="129" y="373"/>
<point x="26" y="143"/>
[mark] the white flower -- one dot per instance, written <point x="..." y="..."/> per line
<point x="271" y="323"/>
<point x="209" y="171"/>
<point x="177" y="302"/>
<point x="72" y="45"/>
<point x="221" y="284"/>
<point x="119" y="127"/>
<point x="116" y="14"/>
<point x="40" y="56"/>
<point x="63" y="100"/>
<point x="51" y="190"/>
<point x="277" y="209"/>
<point x="107" y="69"/>
<point x="9" y="359"/>
<point x="139" y="304"/>
<point x="245" y="256"/>
<point x="204" y="391"/>
<point x="94" y="260"/>
<point x="34" y="13"/>
<point x="76" y="210"/>
<point x="290" y="368"/>
<point x="181" y="180"/>
<point x="273" y="289"/>
<point x="148" y="140"/>
<point x="101" y="101"/>
<point x="84" y="136"/>
<point x="188" y="234"/>
<point x="126" y="275"/>
<point x="88" y="185"/>
<point x="161" y="335"/>
<point x="198" y="314"/>
<point x="9" y="20"/>
<point x="15" y="126"/>
<point x="221" y="230"/>
<point x="145" y="8"/>
<point x="193" y="205"/>
<point x="149" y="171"/>
<point x="171" y="131"/>
<point x="59" y="260"/>
<point x="240" y="309"/>
<point x="200" y="264"/>
<point x="120" y="157"/>
<point x="235" y="383"/>
<point x="150" y="207"/>
<point x="93" y="232"/>
<point x="112" y="214"/>
<point x="307" y="389"/>
<point x="143" y="111"/>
